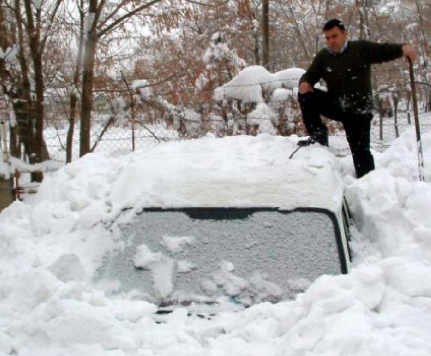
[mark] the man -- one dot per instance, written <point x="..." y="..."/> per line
<point x="345" y="66"/>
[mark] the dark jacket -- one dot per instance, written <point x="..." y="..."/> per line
<point x="348" y="74"/>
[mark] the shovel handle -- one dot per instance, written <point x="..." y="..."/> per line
<point x="417" y="125"/>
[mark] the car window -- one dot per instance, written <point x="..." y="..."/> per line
<point x="250" y="255"/>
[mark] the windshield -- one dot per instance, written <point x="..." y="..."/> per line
<point x="247" y="254"/>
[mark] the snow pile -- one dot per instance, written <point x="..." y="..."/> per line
<point x="257" y="173"/>
<point x="9" y="168"/>
<point x="264" y="117"/>
<point x="280" y="95"/>
<point x="405" y="151"/>
<point x="50" y="246"/>
<point x="252" y="82"/>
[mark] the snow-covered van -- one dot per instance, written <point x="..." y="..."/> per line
<point x="227" y="218"/>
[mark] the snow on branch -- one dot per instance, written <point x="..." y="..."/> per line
<point x="252" y="82"/>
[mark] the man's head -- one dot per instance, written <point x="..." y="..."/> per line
<point x="335" y="35"/>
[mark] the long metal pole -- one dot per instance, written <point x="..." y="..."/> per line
<point x="417" y="126"/>
<point x="3" y="141"/>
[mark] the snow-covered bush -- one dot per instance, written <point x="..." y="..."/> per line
<point x="265" y="102"/>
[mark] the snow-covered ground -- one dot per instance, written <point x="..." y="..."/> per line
<point x="383" y="307"/>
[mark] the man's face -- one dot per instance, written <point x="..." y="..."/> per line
<point x="335" y="39"/>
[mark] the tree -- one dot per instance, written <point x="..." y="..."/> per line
<point x="265" y="33"/>
<point x="76" y="80"/>
<point x="363" y="7"/>
<point x="102" y="17"/>
<point x="26" y="34"/>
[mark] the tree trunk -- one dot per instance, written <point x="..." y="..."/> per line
<point x="22" y="102"/>
<point x="20" y="95"/>
<point x="92" y="38"/>
<point x="396" y="101"/>
<point x="73" y="106"/>
<point x="362" y="8"/>
<point x="87" y="93"/>
<point x="265" y="33"/>
<point x="41" y="152"/>
<point x="70" y="132"/>
<point x="15" y="145"/>
<point x="89" y="56"/>
<point x="298" y="32"/>
<point x="423" y="39"/>
<point x="380" y="110"/>
<point x="6" y="192"/>
<point x="256" y="50"/>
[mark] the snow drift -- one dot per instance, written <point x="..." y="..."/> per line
<point x="48" y="305"/>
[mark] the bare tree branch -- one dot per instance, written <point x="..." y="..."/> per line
<point x="50" y="24"/>
<point x="101" y="6"/>
<point x="112" y="14"/>
<point x="122" y="90"/>
<point x="117" y="22"/>
<point x="209" y="5"/>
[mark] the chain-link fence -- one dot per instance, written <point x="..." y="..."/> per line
<point x="107" y="136"/>
<point x="125" y="120"/>
<point x="122" y="136"/>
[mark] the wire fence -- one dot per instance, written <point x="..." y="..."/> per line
<point x="126" y="120"/>
<point x="121" y="136"/>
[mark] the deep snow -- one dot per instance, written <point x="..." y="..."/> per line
<point x="382" y="307"/>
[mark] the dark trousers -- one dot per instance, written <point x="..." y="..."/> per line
<point x="357" y="126"/>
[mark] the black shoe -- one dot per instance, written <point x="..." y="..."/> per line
<point x="306" y="142"/>
<point x="323" y="140"/>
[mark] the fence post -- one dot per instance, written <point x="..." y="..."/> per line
<point x="396" y="101"/>
<point x="6" y="192"/>
<point x="6" y="184"/>
<point x="132" y="109"/>
<point x="380" y="121"/>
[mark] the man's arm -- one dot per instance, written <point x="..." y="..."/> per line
<point x="311" y="76"/>
<point x="384" y="52"/>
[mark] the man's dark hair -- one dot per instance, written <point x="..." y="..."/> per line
<point x="333" y="23"/>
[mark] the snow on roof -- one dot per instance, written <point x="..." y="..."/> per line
<point x="229" y="172"/>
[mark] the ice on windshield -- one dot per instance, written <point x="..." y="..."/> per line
<point x="245" y="254"/>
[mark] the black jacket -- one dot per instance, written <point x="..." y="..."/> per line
<point x="348" y="74"/>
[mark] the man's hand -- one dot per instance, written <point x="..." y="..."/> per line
<point x="305" y="88"/>
<point x="409" y="52"/>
